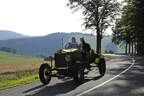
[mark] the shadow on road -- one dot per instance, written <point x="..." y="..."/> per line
<point x="59" y="88"/>
<point x="32" y="89"/>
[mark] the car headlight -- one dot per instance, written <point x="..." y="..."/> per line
<point x="67" y="58"/>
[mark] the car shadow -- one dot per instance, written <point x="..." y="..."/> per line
<point x="87" y="79"/>
<point x="35" y="88"/>
<point x="58" y="88"/>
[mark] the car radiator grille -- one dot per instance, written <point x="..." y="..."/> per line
<point x="60" y="60"/>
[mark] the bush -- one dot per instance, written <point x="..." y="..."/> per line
<point x="108" y="51"/>
<point x="10" y="50"/>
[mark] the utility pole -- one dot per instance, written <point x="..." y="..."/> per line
<point x="62" y="43"/>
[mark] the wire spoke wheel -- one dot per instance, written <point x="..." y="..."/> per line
<point x="45" y="73"/>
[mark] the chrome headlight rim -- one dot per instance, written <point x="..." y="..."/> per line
<point x="67" y="58"/>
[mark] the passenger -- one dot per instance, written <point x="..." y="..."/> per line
<point x="72" y="44"/>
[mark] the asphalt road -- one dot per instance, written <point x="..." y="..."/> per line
<point x="124" y="77"/>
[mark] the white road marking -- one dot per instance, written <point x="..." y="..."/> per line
<point x="133" y="62"/>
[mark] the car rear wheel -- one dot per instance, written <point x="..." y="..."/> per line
<point x="45" y="73"/>
<point x="102" y="67"/>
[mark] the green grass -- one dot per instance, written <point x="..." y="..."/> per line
<point x="14" y="81"/>
<point x="6" y="57"/>
<point x="18" y="77"/>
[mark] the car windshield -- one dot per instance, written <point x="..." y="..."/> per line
<point x="72" y="45"/>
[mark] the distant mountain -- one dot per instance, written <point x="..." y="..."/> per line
<point x="47" y="45"/>
<point x="6" y="35"/>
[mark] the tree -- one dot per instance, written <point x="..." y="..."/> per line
<point x="124" y="29"/>
<point x="98" y="15"/>
<point x="10" y="50"/>
<point x="139" y="20"/>
<point x="132" y="24"/>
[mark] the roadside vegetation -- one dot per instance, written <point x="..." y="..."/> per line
<point x="18" y="70"/>
<point x="128" y="30"/>
<point x="10" y="50"/>
<point x="108" y="52"/>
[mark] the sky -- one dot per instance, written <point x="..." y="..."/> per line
<point x="39" y="17"/>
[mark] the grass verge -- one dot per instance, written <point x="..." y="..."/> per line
<point x="17" y="79"/>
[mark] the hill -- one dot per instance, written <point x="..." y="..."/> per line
<point x="6" y="57"/>
<point x="6" y="35"/>
<point x="47" y="45"/>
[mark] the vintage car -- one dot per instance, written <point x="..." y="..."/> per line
<point x="71" y="63"/>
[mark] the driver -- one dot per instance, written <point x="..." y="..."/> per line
<point x="85" y="47"/>
<point x="72" y="44"/>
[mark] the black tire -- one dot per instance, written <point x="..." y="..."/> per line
<point x="78" y="74"/>
<point x="102" y="67"/>
<point x="45" y="73"/>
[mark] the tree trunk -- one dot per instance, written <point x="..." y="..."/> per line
<point x="129" y="41"/>
<point x="98" y="31"/>
<point x="135" y="47"/>
<point x="132" y="48"/>
<point x="126" y="48"/>
<point x="129" y="47"/>
<point x="98" y="42"/>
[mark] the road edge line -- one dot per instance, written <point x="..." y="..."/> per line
<point x="133" y="62"/>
